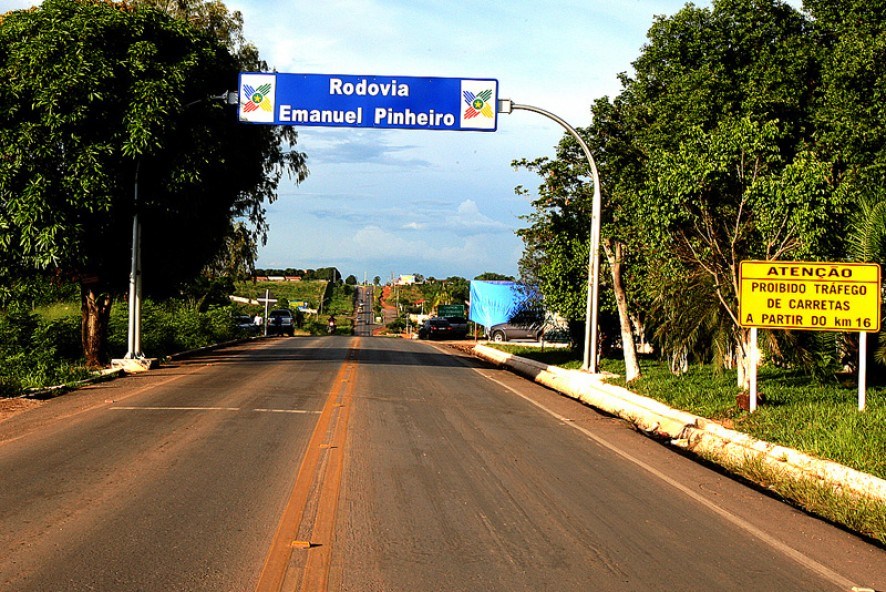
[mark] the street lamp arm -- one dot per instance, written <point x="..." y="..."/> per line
<point x="229" y="97"/>
<point x="590" y="353"/>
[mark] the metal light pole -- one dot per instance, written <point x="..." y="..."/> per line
<point x="590" y="354"/>
<point x="134" y="347"/>
<point x="133" y="341"/>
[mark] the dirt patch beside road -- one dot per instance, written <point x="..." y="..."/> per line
<point x="10" y="407"/>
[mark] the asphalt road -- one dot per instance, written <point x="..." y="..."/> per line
<point x="377" y="464"/>
<point x="363" y="317"/>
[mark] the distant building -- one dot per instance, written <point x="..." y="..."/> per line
<point x="405" y="280"/>
<point x="277" y="278"/>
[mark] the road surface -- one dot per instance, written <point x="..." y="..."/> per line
<point x="379" y="464"/>
<point x="363" y="315"/>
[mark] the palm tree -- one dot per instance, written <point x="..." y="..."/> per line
<point x="866" y="242"/>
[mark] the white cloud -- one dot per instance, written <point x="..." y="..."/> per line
<point x="345" y="146"/>
<point x="469" y="219"/>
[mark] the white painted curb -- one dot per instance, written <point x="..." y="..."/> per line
<point x="689" y="431"/>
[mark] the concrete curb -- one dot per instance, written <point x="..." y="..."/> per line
<point x="696" y="434"/>
<point x="51" y="392"/>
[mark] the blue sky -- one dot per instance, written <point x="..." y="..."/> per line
<point x="438" y="203"/>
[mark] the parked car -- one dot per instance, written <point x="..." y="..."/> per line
<point x="558" y="335"/>
<point x="281" y="321"/>
<point x="459" y="327"/>
<point x="246" y="324"/>
<point x="509" y="331"/>
<point x="435" y="328"/>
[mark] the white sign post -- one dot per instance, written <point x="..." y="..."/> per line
<point x="862" y="368"/>
<point x="754" y="355"/>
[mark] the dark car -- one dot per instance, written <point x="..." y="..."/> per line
<point x="436" y="328"/>
<point x="558" y="335"/>
<point x="246" y="324"/>
<point x="459" y="326"/>
<point x="281" y="321"/>
<point x="509" y="331"/>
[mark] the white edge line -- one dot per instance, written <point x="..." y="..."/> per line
<point x="292" y="411"/>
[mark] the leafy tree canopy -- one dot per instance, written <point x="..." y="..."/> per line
<point x="708" y="156"/>
<point x="100" y="98"/>
<point x="491" y="276"/>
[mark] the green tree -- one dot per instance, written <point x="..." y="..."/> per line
<point x="491" y="276"/>
<point x="330" y="274"/>
<point x="850" y="111"/>
<point x="100" y="97"/>
<point x="558" y="238"/>
<point x="452" y="290"/>
<point x="707" y="157"/>
<point x="232" y="264"/>
<point x="851" y="119"/>
<point x="720" y="105"/>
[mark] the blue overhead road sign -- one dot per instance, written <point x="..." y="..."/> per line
<point x="388" y="102"/>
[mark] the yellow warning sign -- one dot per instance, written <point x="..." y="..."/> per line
<point x="810" y="296"/>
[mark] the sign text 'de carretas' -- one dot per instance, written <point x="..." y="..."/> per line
<point x="390" y="102"/>
<point x="811" y="296"/>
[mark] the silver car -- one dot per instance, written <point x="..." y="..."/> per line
<point x="281" y="321"/>
<point x="508" y="331"/>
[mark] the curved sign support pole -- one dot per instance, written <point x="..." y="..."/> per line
<point x="590" y="355"/>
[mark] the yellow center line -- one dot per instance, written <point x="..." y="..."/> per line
<point x="315" y="577"/>
<point x="279" y="555"/>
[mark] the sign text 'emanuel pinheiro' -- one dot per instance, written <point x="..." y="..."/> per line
<point x="810" y="295"/>
<point x="389" y="102"/>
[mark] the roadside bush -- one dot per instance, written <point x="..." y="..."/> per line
<point x="316" y="325"/>
<point x="59" y="337"/>
<point x="36" y="352"/>
<point x="173" y="326"/>
<point x="341" y="300"/>
<point x="9" y="386"/>
<point x="16" y="329"/>
<point x="313" y="326"/>
<point x="39" y="352"/>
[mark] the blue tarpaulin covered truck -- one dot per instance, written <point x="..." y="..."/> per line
<point x="499" y="302"/>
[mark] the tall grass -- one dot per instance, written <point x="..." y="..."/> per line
<point x="172" y="326"/>
<point x="37" y="352"/>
